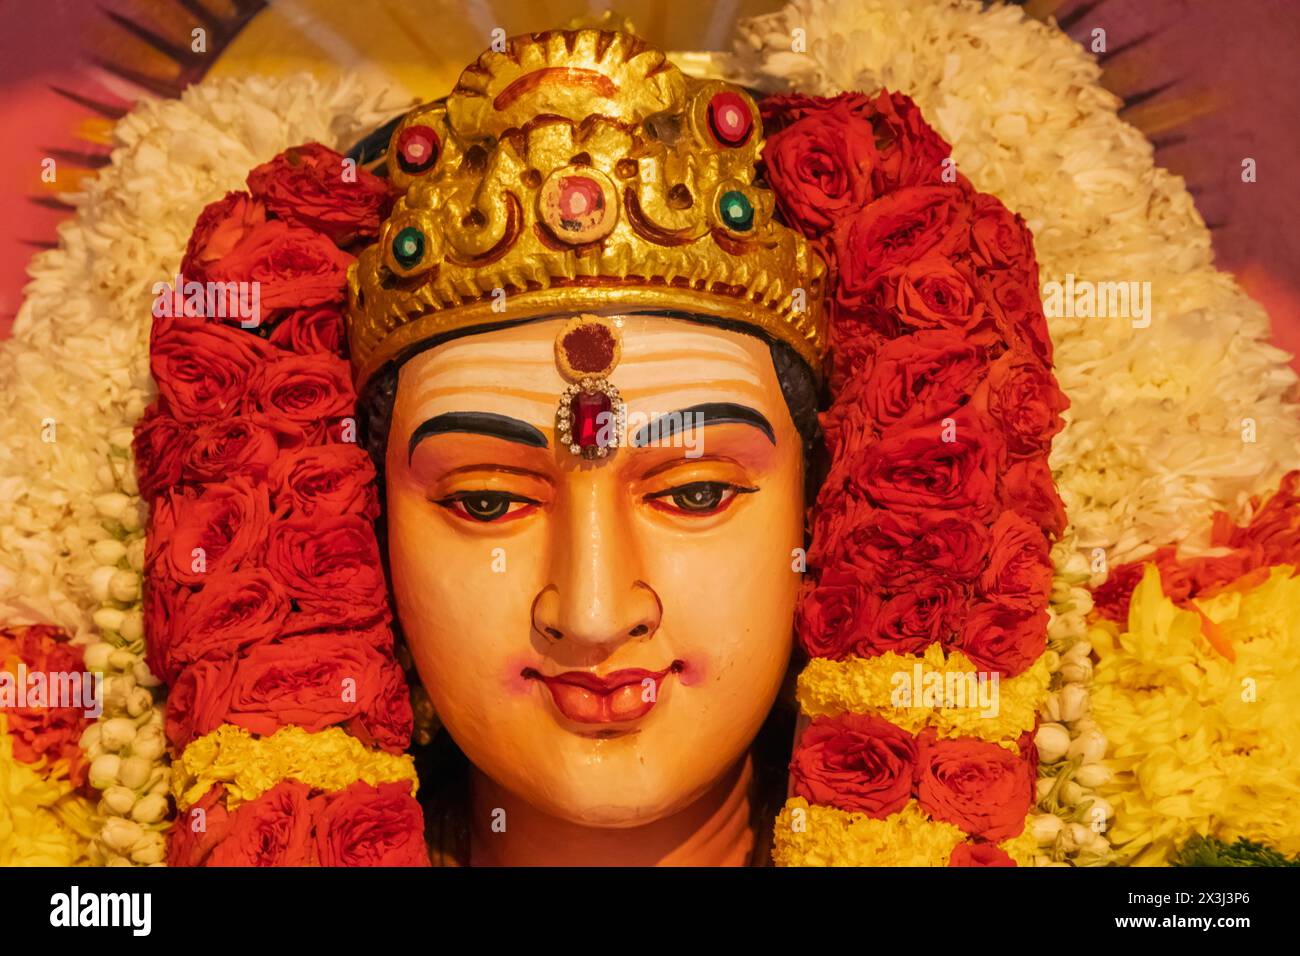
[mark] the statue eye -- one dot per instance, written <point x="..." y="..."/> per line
<point x="486" y="506"/>
<point x="698" y="497"/>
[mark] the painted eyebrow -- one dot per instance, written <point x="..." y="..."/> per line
<point x="709" y="413"/>
<point x="478" y="423"/>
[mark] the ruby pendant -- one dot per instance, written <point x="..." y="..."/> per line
<point x="590" y="418"/>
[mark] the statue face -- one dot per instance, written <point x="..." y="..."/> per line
<point x="602" y="638"/>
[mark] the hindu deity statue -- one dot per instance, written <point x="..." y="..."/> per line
<point x="588" y="358"/>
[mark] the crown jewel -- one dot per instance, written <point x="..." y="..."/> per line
<point x="579" y="171"/>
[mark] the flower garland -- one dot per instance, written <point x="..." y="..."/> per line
<point x="930" y="532"/>
<point x="74" y="380"/>
<point x="265" y="602"/>
<point x="1155" y="440"/>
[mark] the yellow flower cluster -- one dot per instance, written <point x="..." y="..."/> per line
<point x="892" y="685"/>
<point x="808" y="835"/>
<point x="43" y="821"/>
<point x="1201" y="744"/>
<point x="249" y="766"/>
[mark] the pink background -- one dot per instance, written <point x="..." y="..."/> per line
<point x="1242" y="51"/>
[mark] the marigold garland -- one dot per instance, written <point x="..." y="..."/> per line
<point x="868" y="686"/>
<point x="810" y="835"/>
<point x="249" y="766"/>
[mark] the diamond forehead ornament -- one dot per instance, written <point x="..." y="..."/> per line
<point x="590" y="417"/>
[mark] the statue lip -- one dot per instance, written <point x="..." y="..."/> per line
<point x="616" y="697"/>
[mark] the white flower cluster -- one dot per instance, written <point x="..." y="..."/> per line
<point x="1171" y="419"/>
<point x="74" y="379"/>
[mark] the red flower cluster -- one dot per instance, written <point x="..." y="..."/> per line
<point x="933" y="523"/>
<point x="1270" y="538"/>
<point x="288" y="826"/>
<point x="867" y="765"/>
<point x="40" y="730"/>
<point x="265" y="600"/>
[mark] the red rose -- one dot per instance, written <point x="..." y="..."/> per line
<point x="160" y="594"/>
<point x="272" y="830"/>
<point x="979" y="854"/>
<point x="331" y="567"/>
<point x="221" y="226"/>
<point x="911" y="152"/>
<point x="158" y="445"/>
<point x="1029" y="490"/>
<point x="1023" y="397"/>
<point x="920" y="378"/>
<point x="1019" y="571"/>
<point x="835" y="611"/>
<point x="846" y="428"/>
<point x="198" y="700"/>
<point x="307" y="186"/>
<point x="306" y="390"/>
<point x="293" y="267"/>
<point x="835" y="525"/>
<point x="329" y="479"/>
<point x="924" y="612"/>
<point x="781" y="110"/>
<point x="912" y="545"/>
<point x="1003" y="639"/>
<point x="1017" y="312"/>
<point x="820" y="167"/>
<point x="851" y="353"/>
<point x="200" y="828"/>
<point x="232" y="612"/>
<point x="855" y="762"/>
<point x="999" y="238"/>
<point x="307" y="331"/>
<point x="203" y="369"/>
<point x="973" y="784"/>
<point x="222" y="528"/>
<point x="389" y="721"/>
<point x="918" y="469"/>
<point x="246" y="446"/>
<point x="894" y="231"/>
<point x="933" y="293"/>
<point x="308" y="681"/>
<point x="366" y="825"/>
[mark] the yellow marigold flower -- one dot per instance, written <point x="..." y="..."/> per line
<point x="1200" y="744"/>
<point x="807" y="835"/>
<point x="888" y="687"/>
<point x="43" y="821"/>
<point x="249" y="766"/>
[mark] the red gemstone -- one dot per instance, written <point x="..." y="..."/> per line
<point x="730" y="119"/>
<point x="417" y="149"/>
<point x="580" y="199"/>
<point x="592" y="420"/>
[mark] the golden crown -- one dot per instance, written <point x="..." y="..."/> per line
<point x="579" y="170"/>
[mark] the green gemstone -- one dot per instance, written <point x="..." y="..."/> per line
<point x="736" y="210"/>
<point x="408" y="247"/>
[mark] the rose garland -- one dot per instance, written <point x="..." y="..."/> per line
<point x="265" y="602"/>
<point x="930" y="533"/>
<point x="1022" y="104"/>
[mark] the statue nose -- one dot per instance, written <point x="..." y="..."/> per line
<point x="596" y="594"/>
